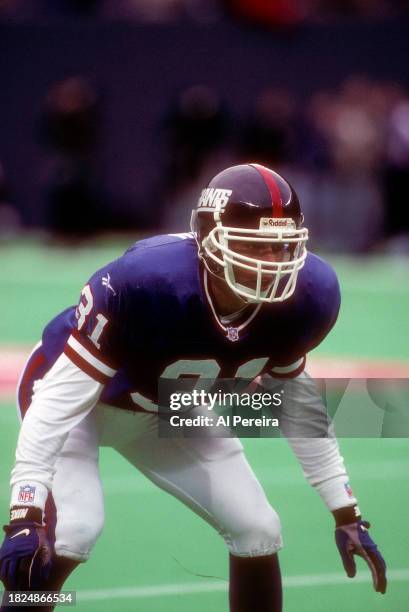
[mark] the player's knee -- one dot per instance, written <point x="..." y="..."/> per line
<point x="75" y="537"/>
<point x="257" y="534"/>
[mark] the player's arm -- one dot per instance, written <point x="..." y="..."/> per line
<point x="62" y="399"/>
<point x="305" y="424"/>
<point x="70" y="389"/>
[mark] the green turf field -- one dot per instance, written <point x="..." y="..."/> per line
<point x="152" y="547"/>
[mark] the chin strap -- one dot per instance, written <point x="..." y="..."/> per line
<point x="220" y="274"/>
<point x="244" y="301"/>
<point x="204" y="261"/>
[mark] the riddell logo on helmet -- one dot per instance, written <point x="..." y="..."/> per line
<point x="271" y="223"/>
<point x="214" y="198"/>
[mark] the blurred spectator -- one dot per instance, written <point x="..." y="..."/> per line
<point x="137" y="10"/>
<point x="196" y="135"/>
<point x="335" y="157"/>
<point x="397" y="165"/>
<point x="70" y="129"/>
<point x="347" y="151"/>
<point x="348" y="130"/>
<point x="346" y="8"/>
<point x="194" y="128"/>
<point x="269" y="134"/>
<point x="268" y="12"/>
<point x="9" y="218"/>
<point x="143" y="10"/>
<point x="315" y="142"/>
<point x="324" y="10"/>
<point x="74" y="8"/>
<point x="71" y="119"/>
<point x="78" y="200"/>
<point x="355" y="132"/>
<point x="23" y="10"/>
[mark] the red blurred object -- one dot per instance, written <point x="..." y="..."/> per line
<point x="269" y="12"/>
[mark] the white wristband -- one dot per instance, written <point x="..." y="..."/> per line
<point x="336" y="493"/>
<point x="29" y="494"/>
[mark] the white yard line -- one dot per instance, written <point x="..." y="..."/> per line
<point x="205" y="586"/>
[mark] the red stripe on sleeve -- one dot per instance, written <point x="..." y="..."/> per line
<point x="292" y="374"/>
<point x="90" y="346"/>
<point x="86" y="367"/>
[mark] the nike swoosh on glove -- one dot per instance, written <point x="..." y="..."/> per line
<point x="354" y="539"/>
<point x="25" y="556"/>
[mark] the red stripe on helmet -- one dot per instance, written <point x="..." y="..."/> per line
<point x="276" y="201"/>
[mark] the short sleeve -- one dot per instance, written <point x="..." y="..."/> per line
<point x="310" y="321"/>
<point x="290" y="371"/>
<point x="94" y="345"/>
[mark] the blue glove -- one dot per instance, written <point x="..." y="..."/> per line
<point x="25" y="555"/>
<point x="354" y="539"/>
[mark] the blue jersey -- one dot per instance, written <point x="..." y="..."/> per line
<point x="148" y="315"/>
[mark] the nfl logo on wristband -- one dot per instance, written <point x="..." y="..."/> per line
<point x="26" y="494"/>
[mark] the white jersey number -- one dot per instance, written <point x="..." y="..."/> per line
<point x="84" y="309"/>
<point x="202" y="369"/>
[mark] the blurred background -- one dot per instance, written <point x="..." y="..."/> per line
<point x="113" y="116"/>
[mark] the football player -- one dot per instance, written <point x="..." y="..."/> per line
<point x="238" y="297"/>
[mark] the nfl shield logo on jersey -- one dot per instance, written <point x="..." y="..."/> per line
<point x="26" y="494"/>
<point x="232" y="334"/>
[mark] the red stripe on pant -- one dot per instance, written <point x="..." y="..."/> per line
<point x="35" y="368"/>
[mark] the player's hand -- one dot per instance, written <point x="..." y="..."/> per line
<point x="25" y="556"/>
<point x="354" y="539"/>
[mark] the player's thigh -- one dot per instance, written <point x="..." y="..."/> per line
<point x="212" y="476"/>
